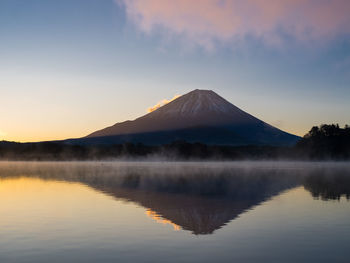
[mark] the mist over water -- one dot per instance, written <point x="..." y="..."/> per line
<point x="174" y="211"/>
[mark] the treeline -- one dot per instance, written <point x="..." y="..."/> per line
<point x="325" y="142"/>
<point x="178" y="150"/>
<point x="320" y="143"/>
<point x="62" y="151"/>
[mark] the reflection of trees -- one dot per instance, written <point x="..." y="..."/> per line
<point x="328" y="187"/>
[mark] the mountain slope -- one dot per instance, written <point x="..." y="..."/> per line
<point x="198" y="116"/>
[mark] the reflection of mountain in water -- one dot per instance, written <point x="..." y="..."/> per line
<point x="198" y="198"/>
<point x="201" y="215"/>
<point x="197" y="203"/>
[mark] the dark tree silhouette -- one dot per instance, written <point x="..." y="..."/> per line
<point x="326" y="142"/>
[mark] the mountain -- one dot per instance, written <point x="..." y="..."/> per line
<point x="198" y="116"/>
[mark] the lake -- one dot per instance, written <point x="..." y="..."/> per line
<point x="174" y="212"/>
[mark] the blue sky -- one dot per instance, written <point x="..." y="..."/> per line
<point x="68" y="68"/>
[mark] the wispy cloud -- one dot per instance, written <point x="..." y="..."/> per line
<point x="161" y="103"/>
<point x="207" y="22"/>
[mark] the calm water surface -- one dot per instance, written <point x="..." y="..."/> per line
<point x="174" y="212"/>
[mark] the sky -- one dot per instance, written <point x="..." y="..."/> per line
<point x="70" y="67"/>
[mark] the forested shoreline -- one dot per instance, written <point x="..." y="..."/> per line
<point x="326" y="142"/>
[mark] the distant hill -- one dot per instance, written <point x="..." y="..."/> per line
<point x="198" y="116"/>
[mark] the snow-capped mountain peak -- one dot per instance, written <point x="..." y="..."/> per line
<point x="204" y="111"/>
<point x="196" y="102"/>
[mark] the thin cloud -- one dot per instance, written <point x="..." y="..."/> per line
<point x="208" y="22"/>
<point x="161" y="103"/>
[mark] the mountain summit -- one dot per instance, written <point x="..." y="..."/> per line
<point x="198" y="116"/>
